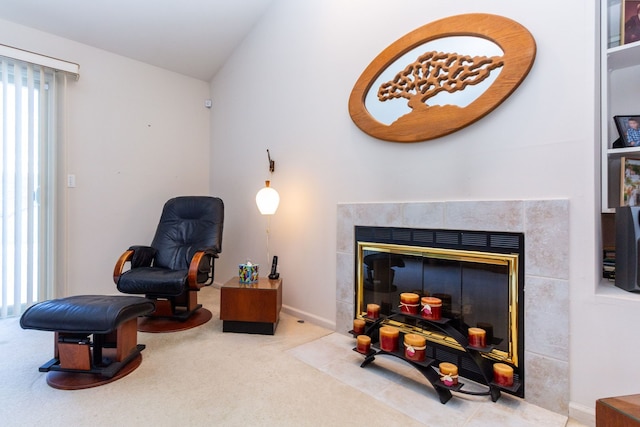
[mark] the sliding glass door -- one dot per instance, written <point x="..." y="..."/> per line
<point x="27" y="110"/>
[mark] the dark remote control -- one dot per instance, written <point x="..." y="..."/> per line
<point x="274" y="267"/>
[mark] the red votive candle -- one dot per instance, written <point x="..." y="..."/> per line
<point x="363" y="344"/>
<point x="488" y="327"/>
<point x="358" y="326"/>
<point x="477" y="337"/>
<point x="503" y="374"/>
<point x="389" y="338"/>
<point x="431" y="308"/>
<point x="415" y="347"/>
<point x="373" y="311"/>
<point x="448" y="373"/>
<point x="409" y="302"/>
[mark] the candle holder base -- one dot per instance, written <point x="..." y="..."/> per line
<point x="512" y="388"/>
<point x="486" y="349"/>
<point x="454" y="387"/>
<point x="425" y="367"/>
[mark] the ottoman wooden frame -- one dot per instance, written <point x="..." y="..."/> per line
<point x="80" y="361"/>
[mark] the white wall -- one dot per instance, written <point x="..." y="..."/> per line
<point x="286" y="89"/>
<point x="137" y="136"/>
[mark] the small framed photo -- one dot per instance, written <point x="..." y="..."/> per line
<point x="629" y="181"/>
<point x="630" y="28"/>
<point x="629" y="129"/>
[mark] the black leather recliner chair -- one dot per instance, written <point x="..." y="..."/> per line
<point x="180" y="259"/>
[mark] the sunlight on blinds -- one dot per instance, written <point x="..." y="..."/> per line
<point x="28" y="158"/>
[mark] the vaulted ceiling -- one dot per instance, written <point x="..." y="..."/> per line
<point x="190" y="37"/>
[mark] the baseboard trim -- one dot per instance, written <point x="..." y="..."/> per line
<point x="308" y="317"/>
<point x="584" y="414"/>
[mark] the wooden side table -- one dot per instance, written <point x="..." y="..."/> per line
<point x="251" y="308"/>
<point x="621" y="411"/>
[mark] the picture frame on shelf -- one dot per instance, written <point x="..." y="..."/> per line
<point x="630" y="26"/>
<point x="629" y="129"/>
<point x="629" y="181"/>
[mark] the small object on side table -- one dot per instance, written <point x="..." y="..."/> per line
<point x="273" y="275"/>
<point x="248" y="273"/>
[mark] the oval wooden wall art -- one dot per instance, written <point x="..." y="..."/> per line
<point x="432" y="72"/>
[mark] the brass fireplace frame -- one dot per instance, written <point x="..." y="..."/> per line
<point x="502" y="259"/>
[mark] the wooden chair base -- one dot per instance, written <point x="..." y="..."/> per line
<point x="163" y="324"/>
<point x="79" y="380"/>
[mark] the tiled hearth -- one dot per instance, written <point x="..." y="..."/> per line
<point x="545" y="224"/>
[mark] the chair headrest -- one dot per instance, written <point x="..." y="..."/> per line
<point x="188" y="224"/>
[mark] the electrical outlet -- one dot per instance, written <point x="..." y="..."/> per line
<point x="71" y="181"/>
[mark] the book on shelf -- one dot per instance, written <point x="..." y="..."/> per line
<point x="609" y="263"/>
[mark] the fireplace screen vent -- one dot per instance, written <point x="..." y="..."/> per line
<point x="447" y="238"/>
<point x="502" y="241"/>
<point x="490" y="241"/>
<point x="422" y="236"/>
<point x="470" y="239"/>
<point x="401" y="234"/>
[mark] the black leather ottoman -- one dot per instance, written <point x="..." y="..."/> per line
<point x="82" y="362"/>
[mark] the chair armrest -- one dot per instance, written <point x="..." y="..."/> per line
<point x="138" y="256"/>
<point x="201" y="267"/>
<point x="142" y="256"/>
<point x="117" y="270"/>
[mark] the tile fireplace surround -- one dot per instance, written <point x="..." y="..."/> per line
<point x="545" y="224"/>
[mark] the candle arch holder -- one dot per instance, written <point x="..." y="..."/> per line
<point x="474" y="354"/>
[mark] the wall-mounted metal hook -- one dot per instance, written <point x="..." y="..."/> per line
<point x="272" y="163"/>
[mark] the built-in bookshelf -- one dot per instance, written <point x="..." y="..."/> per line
<point x="619" y="90"/>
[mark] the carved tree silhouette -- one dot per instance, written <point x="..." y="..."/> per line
<point x="434" y="72"/>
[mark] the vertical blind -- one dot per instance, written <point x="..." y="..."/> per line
<point x="27" y="129"/>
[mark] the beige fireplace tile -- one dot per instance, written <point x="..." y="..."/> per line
<point x="344" y="238"/>
<point x="547" y="238"/>
<point x="484" y="215"/>
<point x="418" y="399"/>
<point x="423" y="215"/>
<point x="512" y="411"/>
<point x="547" y="382"/>
<point x="345" y="290"/>
<point x="373" y="382"/>
<point x="547" y="317"/>
<point x="344" y="317"/>
<point x="398" y="386"/>
<point x="324" y="351"/>
<point x="378" y="214"/>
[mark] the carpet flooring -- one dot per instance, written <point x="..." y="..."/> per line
<point x="304" y="375"/>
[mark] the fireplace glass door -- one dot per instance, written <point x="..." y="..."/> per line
<point x="477" y="289"/>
